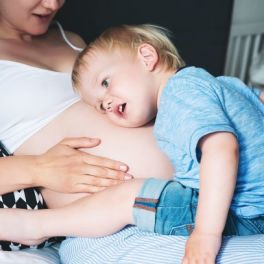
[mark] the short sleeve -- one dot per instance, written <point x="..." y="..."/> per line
<point x="190" y="110"/>
<point x="256" y="91"/>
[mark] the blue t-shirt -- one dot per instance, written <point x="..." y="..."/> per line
<point x="194" y="104"/>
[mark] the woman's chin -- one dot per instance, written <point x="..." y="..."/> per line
<point x="40" y="28"/>
<point x="39" y="31"/>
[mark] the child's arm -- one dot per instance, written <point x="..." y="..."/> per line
<point x="218" y="173"/>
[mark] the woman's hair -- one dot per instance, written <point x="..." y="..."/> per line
<point x="131" y="37"/>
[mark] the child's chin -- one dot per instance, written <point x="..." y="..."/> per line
<point x="137" y="124"/>
<point x="125" y="123"/>
<point x="129" y="123"/>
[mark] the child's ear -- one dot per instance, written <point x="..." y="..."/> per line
<point x="148" y="55"/>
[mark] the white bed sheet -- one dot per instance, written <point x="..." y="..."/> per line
<point x="131" y="246"/>
<point x="31" y="256"/>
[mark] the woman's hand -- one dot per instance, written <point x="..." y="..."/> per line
<point x="65" y="168"/>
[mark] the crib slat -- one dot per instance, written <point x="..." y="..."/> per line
<point x="247" y="20"/>
<point x="234" y="60"/>
<point x="256" y="45"/>
<point x="245" y="57"/>
<point x="228" y="59"/>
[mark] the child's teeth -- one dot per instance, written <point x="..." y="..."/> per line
<point x="120" y="108"/>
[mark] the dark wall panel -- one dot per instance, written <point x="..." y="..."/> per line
<point x="200" y="28"/>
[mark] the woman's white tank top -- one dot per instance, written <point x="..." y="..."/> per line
<point x="30" y="98"/>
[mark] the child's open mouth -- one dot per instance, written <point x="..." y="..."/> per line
<point x="121" y="108"/>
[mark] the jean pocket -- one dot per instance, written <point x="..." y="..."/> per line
<point x="182" y="230"/>
<point x="244" y="226"/>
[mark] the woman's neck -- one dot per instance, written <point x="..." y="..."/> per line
<point x="8" y="32"/>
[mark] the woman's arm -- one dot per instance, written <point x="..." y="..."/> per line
<point x="63" y="168"/>
<point x="16" y="173"/>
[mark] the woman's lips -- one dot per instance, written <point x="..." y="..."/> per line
<point x="43" y="17"/>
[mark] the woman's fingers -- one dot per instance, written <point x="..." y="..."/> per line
<point x="104" y="162"/>
<point x="103" y="172"/>
<point x="99" y="182"/>
<point x="80" y="142"/>
<point x="65" y="168"/>
<point x="71" y="146"/>
<point x="85" y="142"/>
<point x="90" y="184"/>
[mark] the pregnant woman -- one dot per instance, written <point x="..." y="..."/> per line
<point x="39" y="109"/>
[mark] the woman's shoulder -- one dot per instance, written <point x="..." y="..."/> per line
<point x="75" y="39"/>
<point x="58" y="34"/>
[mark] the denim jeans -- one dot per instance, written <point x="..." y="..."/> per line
<point x="169" y="208"/>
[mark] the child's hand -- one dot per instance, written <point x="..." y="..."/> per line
<point x="201" y="248"/>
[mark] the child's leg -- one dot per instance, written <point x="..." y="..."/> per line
<point x="155" y="205"/>
<point x="101" y="214"/>
<point x="19" y="225"/>
<point x="97" y="215"/>
<point x="26" y="199"/>
<point x="173" y="212"/>
<point x="174" y="208"/>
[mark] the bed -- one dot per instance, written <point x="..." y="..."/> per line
<point x="132" y="246"/>
<point x="31" y="256"/>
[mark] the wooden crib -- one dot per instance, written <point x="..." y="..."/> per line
<point x="246" y="37"/>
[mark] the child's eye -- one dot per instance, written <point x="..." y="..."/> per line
<point x="105" y="83"/>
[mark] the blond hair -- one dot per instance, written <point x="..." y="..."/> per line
<point x="131" y="37"/>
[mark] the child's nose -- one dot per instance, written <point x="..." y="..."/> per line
<point x="107" y="105"/>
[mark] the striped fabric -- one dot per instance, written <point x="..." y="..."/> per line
<point x="131" y="246"/>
